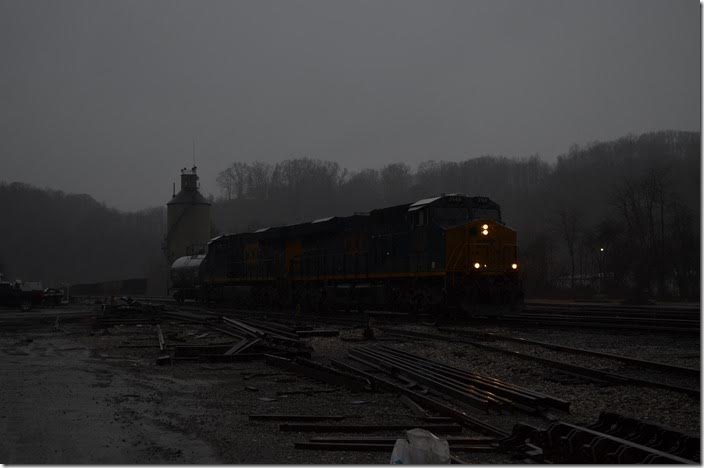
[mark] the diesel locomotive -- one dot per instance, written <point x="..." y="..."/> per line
<point x="447" y="253"/>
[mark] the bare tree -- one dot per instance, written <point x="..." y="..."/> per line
<point x="259" y="181"/>
<point x="686" y="251"/>
<point x="395" y="180"/>
<point x="568" y="225"/>
<point x="641" y="203"/>
<point x="226" y="182"/>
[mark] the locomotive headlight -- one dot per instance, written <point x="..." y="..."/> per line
<point x="485" y="226"/>
<point x="514" y="266"/>
<point x="485" y="232"/>
<point x="477" y="265"/>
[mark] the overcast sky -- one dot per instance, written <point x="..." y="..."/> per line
<point x="105" y="97"/>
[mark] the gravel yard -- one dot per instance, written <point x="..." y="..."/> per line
<point x="132" y="410"/>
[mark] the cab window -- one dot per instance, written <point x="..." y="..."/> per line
<point x="420" y="218"/>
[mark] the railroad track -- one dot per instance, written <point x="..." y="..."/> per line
<point x="630" y="360"/>
<point x="658" y="318"/>
<point x="598" y="376"/>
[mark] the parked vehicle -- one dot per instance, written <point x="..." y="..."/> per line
<point x="12" y="295"/>
<point x="52" y="296"/>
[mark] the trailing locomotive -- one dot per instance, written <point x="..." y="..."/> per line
<point x="450" y="252"/>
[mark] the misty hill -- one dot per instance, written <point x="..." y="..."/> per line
<point x="58" y="238"/>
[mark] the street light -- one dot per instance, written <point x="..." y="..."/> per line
<point x="601" y="269"/>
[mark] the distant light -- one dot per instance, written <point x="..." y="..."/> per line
<point x="514" y="266"/>
<point x="477" y="265"/>
<point x="485" y="226"/>
<point x="601" y="249"/>
<point x="485" y="232"/>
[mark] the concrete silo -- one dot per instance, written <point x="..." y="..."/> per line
<point x="187" y="219"/>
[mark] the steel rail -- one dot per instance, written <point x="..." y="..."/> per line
<point x="459" y="391"/>
<point x="630" y="360"/>
<point x="467" y="393"/>
<point x="190" y="319"/>
<point x="570" y="322"/>
<point x="384" y="446"/>
<point x="584" y="371"/>
<point x="511" y="392"/>
<point x="611" y="318"/>
<point x="505" y="391"/>
<point x="312" y="427"/>
<point x="461" y="417"/>
<point x="379" y="439"/>
<point x="472" y="395"/>
<point x="656" y="308"/>
<point x="494" y="383"/>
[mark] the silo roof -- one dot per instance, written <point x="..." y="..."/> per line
<point x="188" y="197"/>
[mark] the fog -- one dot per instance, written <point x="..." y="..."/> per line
<point x="107" y="97"/>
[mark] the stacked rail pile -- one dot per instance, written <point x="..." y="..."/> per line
<point x="478" y="390"/>
<point x="127" y="311"/>
<point x="246" y="340"/>
<point x="254" y="342"/>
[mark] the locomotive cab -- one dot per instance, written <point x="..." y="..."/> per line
<point x="477" y="252"/>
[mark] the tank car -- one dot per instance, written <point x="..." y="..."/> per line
<point x="186" y="277"/>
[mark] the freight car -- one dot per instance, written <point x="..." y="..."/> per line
<point x="450" y="253"/>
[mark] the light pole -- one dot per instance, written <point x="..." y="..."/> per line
<point x="602" y="253"/>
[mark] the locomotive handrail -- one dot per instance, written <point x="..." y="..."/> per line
<point x="455" y="256"/>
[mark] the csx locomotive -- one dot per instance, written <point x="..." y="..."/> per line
<point x="450" y="252"/>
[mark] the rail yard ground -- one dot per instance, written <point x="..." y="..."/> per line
<point x="82" y="384"/>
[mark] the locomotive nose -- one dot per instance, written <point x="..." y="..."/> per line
<point x="491" y="248"/>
